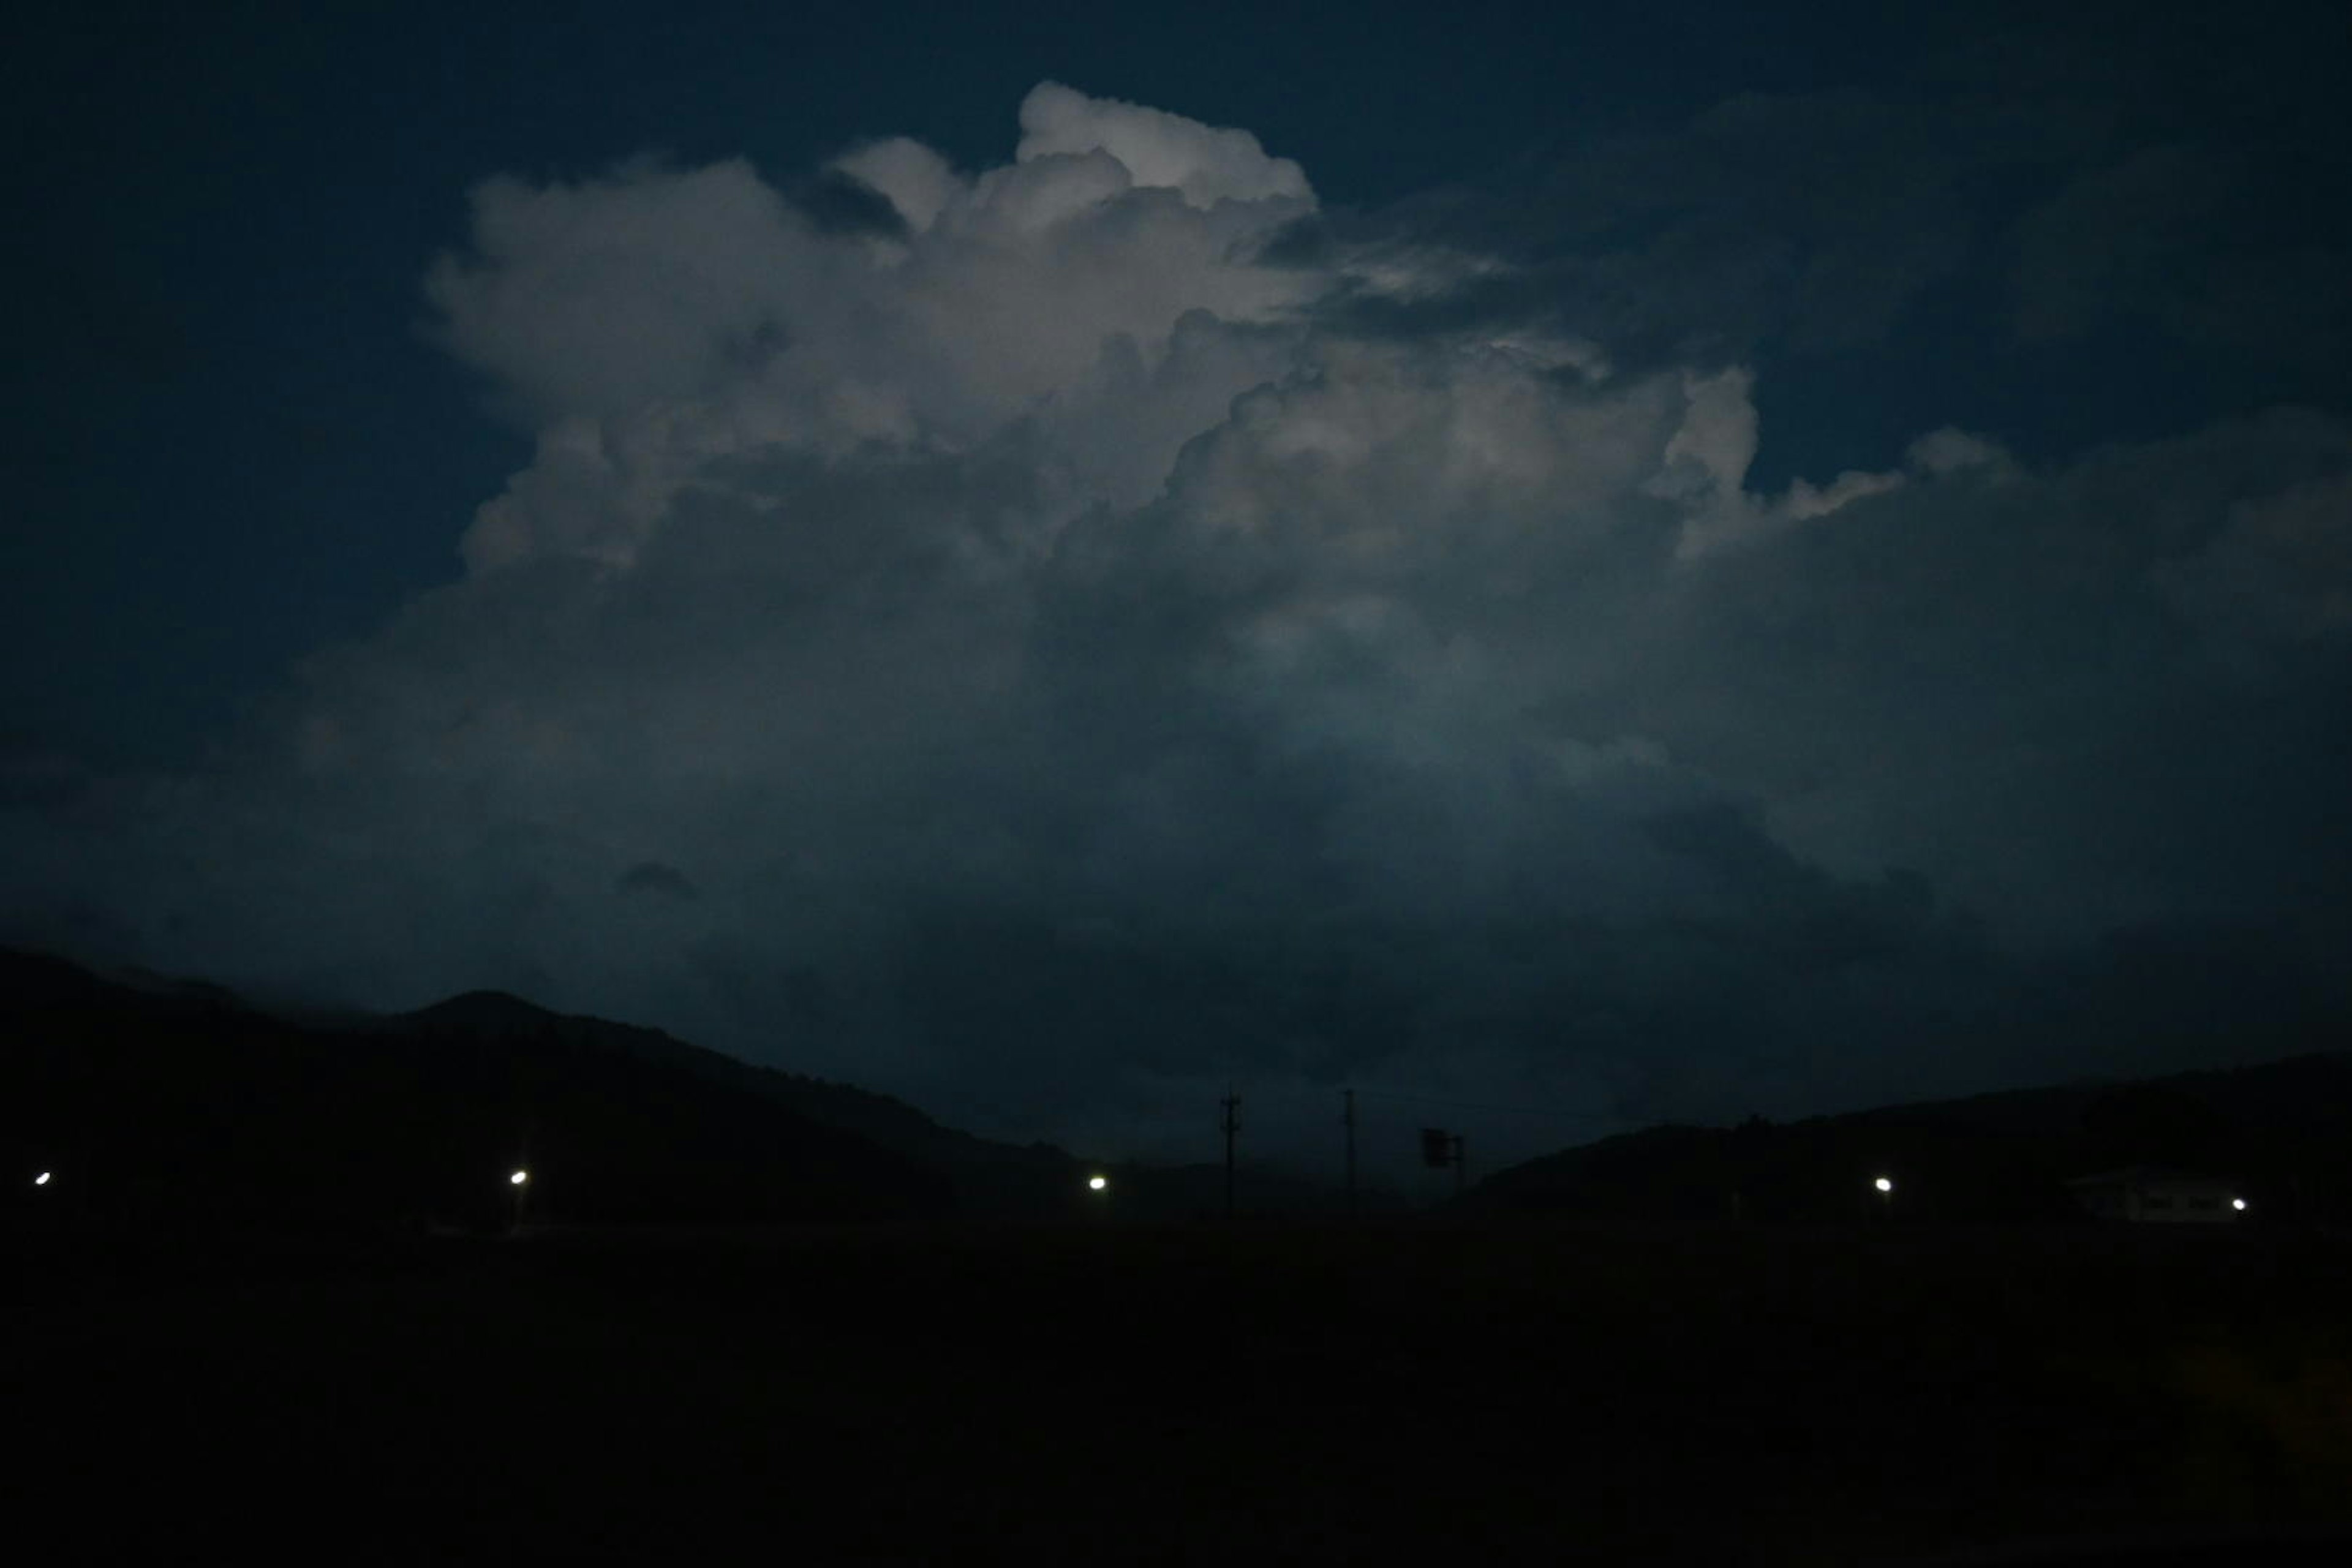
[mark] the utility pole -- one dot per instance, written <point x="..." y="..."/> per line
<point x="1347" y="1119"/>
<point x="1231" y="1121"/>
<point x="1460" y="1162"/>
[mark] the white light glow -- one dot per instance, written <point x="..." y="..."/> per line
<point x="42" y="1180"/>
<point x="1096" y="1183"/>
<point x="2238" y="1204"/>
<point x="1884" y="1185"/>
<point x="519" y="1178"/>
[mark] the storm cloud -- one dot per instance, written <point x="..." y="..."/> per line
<point x="1090" y="629"/>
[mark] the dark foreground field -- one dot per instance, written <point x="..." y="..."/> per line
<point x="1426" y="1394"/>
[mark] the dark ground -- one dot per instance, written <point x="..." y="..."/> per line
<point x="1409" y="1394"/>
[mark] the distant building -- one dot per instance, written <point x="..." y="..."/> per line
<point x="2149" y="1194"/>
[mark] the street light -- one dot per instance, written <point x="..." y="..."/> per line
<point x="42" y="1180"/>
<point x="2238" y="1204"/>
<point x="1884" y="1187"/>
<point x="519" y="1178"/>
<point x="1096" y="1183"/>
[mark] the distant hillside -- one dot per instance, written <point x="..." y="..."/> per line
<point x="989" y="1180"/>
<point x="164" y="1100"/>
<point x="2283" y="1130"/>
<point x="173" y="1104"/>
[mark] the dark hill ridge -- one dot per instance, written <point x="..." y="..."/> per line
<point x="2282" y="1130"/>
<point x="479" y="1012"/>
<point x="176" y="1107"/>
<point x="989" y="1180"/>
<point x="170" y="1100"/>
<point x="38" y="978"/>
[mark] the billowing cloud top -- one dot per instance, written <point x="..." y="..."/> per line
<point x="1206" y="163"/>
<point x="1049" y="653"/>
<point x="654" y="322"/>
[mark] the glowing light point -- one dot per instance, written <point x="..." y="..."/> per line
<point x="1884" y="1185"/>
<point x="1096" y="1183"/>
<point x="42" y="1180"/>
<point x="519" y="1178"/>
<point x="2238" y="1204"/>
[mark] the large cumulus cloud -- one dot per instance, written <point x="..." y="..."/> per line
<point x="1058" y="647"/>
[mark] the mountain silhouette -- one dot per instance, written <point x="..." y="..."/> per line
<point x="178" y="1106"/>
<point x="2280" y="1132"/>
<point x="157" y="1101"/>
<point x="988" y="1179"/>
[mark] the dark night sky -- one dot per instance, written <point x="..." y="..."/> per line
<point x="1611" y="561"/>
